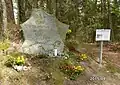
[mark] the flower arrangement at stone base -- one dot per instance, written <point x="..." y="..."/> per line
<point x="18" y="62"/>
<point x="72" y="71"/>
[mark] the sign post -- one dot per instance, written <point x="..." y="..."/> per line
<point x="102" y="35"/>
<point x="101" y="51"/>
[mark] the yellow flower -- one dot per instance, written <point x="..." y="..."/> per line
<point x="69" y="31"/>
<point x="79" y="68"/>
<point x="22" y="59"/>
<point x="18" y="58"/>
<point x="83" y="56"/>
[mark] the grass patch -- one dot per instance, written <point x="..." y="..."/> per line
<point x="53" y="69"/>
<point x="112" y="68"/>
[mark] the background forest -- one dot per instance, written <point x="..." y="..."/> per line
<point x="83" y="16"/>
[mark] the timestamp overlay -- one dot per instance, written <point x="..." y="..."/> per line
<point x="97" y="78"/>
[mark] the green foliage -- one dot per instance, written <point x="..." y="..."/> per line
<point x="112" y="68"/>
<point x="15" y="59"/>
<point x="68" y="34"/>
<point x="68" y="55"/>
<point x="20" y="60"/>
<point x="4" y="45"/>
<point x="71" y="43"/>
<point x="10" y="62"/>
<point x="70" y="67"/>
<point x="78" y="14"/>
<point x="69" y="31"/>
<point x="71" y="70"/>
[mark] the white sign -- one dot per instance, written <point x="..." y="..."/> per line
<point x="103" y="34"/>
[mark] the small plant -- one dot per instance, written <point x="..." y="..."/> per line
<point x="10" y="62"/>
<point x="83" y="56"/>
<point x="72" y="71"/>
<point x="19" y="60"/>
<point x="68" y="55"/>
<point x="77" y="71"/>
<point x="70" y="67"/>
<point x="69" y="31"/>
<point x="4" y="45"/>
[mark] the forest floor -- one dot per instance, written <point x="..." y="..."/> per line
<point x="45" y="71"/>
<point x="108" y="74"/>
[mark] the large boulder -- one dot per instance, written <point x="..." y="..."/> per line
<point x="43" y="33"/>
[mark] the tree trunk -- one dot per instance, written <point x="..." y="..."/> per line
<point x="25" y="8"/>
<point x="104" y="14"/>
<point x="4" y="17"/>
<point x="16" y="11"/>
<point x="54" y="4"/>
<point x="77" y="16"/>
<point x="10" y="13"/>
<point x="56" y="7"/>
<point x="0" y="15"/>
<point x="110" y="20"/>
<point x="49" y="6"/>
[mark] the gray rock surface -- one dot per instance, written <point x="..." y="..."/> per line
<point x="43" y="33"/>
